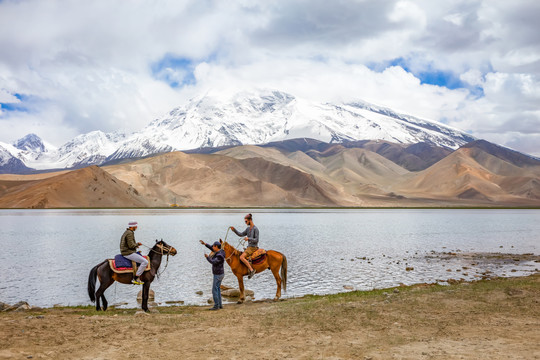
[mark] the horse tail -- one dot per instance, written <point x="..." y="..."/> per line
<point x="92" y="281"/>
<point x="284" y="272"/>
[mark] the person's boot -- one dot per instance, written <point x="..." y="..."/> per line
<point x="251" y="273"/>
<point x="137" y="281"/>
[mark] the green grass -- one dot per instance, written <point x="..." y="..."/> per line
<point x="345" y="303"/>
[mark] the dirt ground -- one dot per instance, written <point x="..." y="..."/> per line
<point x="489" y="319"/>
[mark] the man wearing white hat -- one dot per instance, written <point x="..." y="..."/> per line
<point x="128" y="249"/>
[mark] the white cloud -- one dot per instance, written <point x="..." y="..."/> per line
<point x="7" y="98"/>
<point x="88" y="65"/>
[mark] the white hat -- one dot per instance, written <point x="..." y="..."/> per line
<point x="132" y="224"/>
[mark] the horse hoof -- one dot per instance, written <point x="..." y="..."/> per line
<point x="276" y="299"/>
<point x="240" y="302"/>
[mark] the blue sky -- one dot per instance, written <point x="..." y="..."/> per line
<point x="70" y="68"/>
<point x="175" y="71"/>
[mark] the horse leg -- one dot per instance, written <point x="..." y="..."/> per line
<point x="275" y="271"/>
<point x="105" y="303"/>
<point x="241" y="288"/>
<point x="145" y="294"/>
<point x="100" y="293"/>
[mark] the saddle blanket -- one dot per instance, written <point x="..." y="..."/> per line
<point x="122" y="265"/>
<point x="258" y="256"/>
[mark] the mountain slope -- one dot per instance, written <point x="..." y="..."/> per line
<point x="353" y="170"/>
<point x="210" y="180"/>
<point x="9" y="164"/>
<point x="249" y="176"/>
<point x="88" y="187"/>
<point x="511" y="156"/>
<point x="413" y="157"/>
<point x="471" y="173"/>
<point x="218" y="119"/>
<point x="263" y="116"/>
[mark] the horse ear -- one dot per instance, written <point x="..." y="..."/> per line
<point x="156" y="241"/>
<point x="220" y="241"/>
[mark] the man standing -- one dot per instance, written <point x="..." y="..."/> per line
<point x="252" y="237"/>
<point x="216" y="258"/>
<point x="128" y="249"/>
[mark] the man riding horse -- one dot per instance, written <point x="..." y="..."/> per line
<point x="252" y="236"/>
<point x="128" y="249"/>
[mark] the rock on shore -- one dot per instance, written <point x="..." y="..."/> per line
<point x="20" y="306"/>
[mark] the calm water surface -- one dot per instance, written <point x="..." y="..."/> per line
<point x="47" y="254"/>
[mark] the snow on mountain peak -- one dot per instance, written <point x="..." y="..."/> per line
<point x="30" y="142"/>
<point x="256" y="116"/>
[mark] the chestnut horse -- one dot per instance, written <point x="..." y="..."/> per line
<point x="274" y="261"/>
<point x="107" y="277"/>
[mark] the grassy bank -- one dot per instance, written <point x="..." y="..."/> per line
<point x="493" y="319"/>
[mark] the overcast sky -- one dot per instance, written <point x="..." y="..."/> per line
<point x="70" y="67"/>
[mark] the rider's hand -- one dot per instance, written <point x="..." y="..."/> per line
<point x="232" y="228"/>
<point x="205" y="255"/>
<point x="202" y="242"/>
<point x="246" y="238"/>
<point x="139" y="244"/>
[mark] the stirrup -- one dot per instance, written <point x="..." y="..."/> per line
<point x="135" y="282"/>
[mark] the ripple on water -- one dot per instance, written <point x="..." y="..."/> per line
<point x="49" y="254"/>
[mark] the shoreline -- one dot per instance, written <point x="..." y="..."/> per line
<point x="495" y="207"/>
<point x="463" y="267"/>
<point x="491" y="319"/>
<point x="180" y="303"/>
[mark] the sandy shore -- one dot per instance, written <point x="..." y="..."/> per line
<point x="490" y="319"/>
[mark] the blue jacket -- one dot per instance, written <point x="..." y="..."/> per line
<point x="217" y="261"/>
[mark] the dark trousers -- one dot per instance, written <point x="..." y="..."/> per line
<point x="216" y="290"/>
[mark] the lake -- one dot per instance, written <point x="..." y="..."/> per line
<point x="47" y="254"/>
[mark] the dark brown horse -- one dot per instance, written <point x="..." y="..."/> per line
<point x="107" y="277"/>
<point x="274" y="261"/>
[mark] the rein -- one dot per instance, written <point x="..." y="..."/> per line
<point x="161" y="252"/>
<point x="240" y="241"/>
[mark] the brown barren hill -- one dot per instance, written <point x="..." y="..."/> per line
<point x="472" y="174"/>
<point x="87" y="187"/>
<point x="218" y="180"/>
<point x="413" y="157"/>
<point x="292" y="174"/>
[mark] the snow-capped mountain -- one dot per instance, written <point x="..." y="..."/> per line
<point x="263" y="116"/>
<point x="30" y="143"/>
<point x="33" y="151"/>
<point x="9" y="163"/>
<point x="88" y="149"/>
<point x="250" y="117"/>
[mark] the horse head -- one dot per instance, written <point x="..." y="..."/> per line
<point x="229" y="249"/>
<point x="164" y="248"/>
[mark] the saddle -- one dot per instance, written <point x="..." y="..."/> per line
<point x="122" y="265"/>
<point x="259" y="256"/>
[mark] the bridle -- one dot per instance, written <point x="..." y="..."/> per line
<point x="164" y="250"/>
<point x="240" y="241"/>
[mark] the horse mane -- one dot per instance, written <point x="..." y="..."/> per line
<point x="234" y="252"/>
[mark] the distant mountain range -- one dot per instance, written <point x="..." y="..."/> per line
<point x="297" y="172"/>
<point x="269" y="148"/>
<point x="220" y="120"/>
